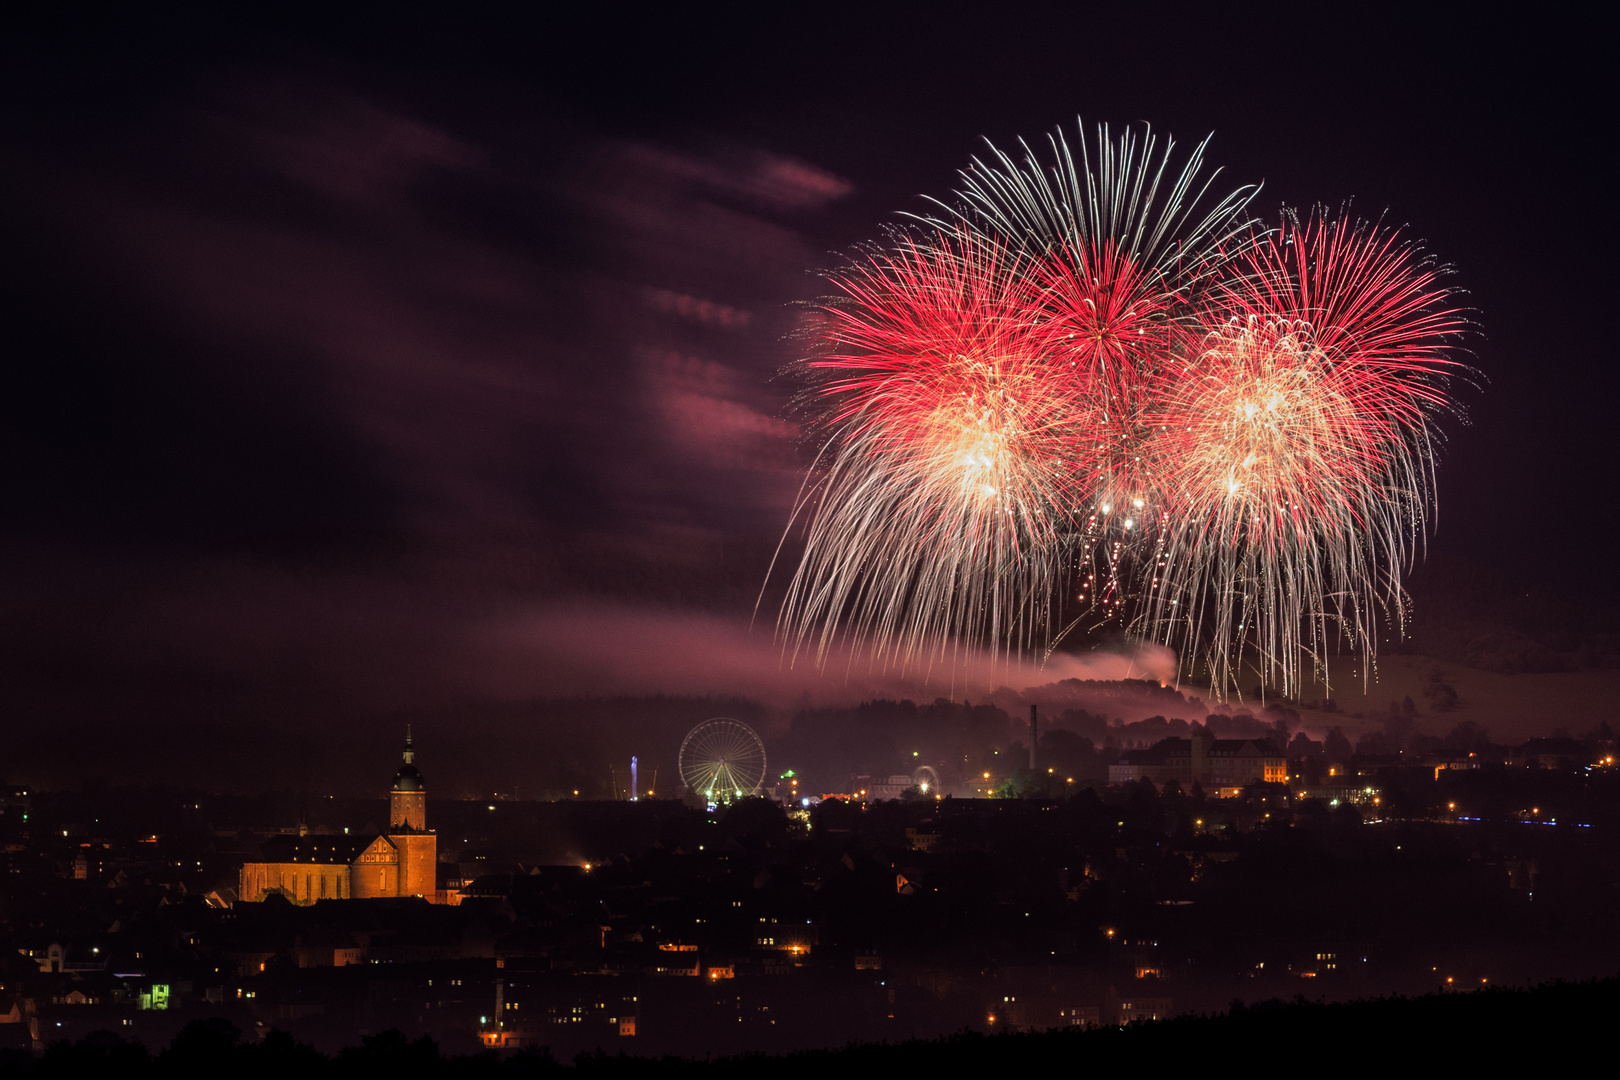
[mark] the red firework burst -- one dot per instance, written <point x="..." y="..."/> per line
<point x="941" y="360"/>
<point x="940" y="511"/>
<point x="1301" y="440"/>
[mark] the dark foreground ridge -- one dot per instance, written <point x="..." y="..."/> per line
<point x="1495" y="1027"/>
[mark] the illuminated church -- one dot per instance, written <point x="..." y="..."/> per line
<point x="400" y="861"/>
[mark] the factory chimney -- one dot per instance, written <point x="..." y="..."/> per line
<point x="1033" y="738"/>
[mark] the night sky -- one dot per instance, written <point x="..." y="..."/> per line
<point x="375" y="362"/>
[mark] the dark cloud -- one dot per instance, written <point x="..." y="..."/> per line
<point x="365" y="417"/>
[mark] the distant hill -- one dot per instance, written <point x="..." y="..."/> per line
<point x="1512" y="707"/>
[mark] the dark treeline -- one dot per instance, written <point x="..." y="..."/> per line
<point x="962" y="740"/>
<point x="1497" y="1027"/>
<point x="581" y="747"/>
<point x="553" y="749"/>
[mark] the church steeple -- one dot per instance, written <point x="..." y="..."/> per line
<point x="407" y="802"/>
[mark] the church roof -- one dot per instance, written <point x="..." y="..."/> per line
<point x="325" y="849"/>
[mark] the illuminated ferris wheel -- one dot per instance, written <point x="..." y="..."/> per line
<point x="722" y="760"/>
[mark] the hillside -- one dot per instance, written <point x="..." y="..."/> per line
<point x="1512" y="707"/>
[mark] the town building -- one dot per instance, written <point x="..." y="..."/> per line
<point x="1219" y="766"/>
<point x="400" y="861"/>
<point x="1554" y="753"/>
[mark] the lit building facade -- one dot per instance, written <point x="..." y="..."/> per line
<point x="401" y="861"/>
<point x="1214" y="764"/>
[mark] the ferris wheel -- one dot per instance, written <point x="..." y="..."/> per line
<point x="722" y="760"/>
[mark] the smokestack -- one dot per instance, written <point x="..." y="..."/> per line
<point x="1033" y="738"/>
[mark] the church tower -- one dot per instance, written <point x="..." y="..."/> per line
<point x="407" y="802"/>
<point x="408" y="831"/>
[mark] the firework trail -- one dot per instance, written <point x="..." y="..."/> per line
<point x="1091" y="392"/>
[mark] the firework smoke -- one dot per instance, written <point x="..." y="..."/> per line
<point x="1094" y="392"/>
